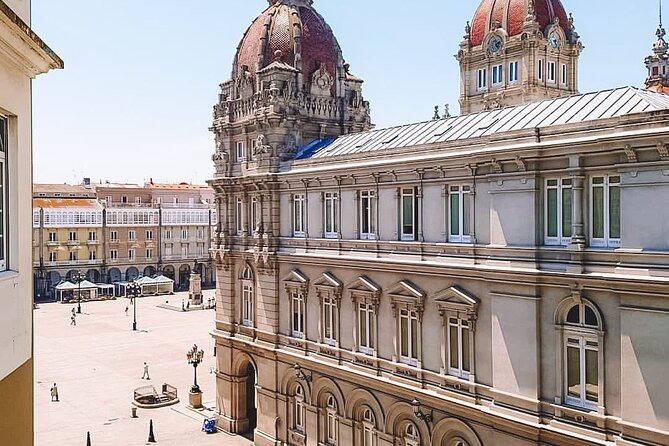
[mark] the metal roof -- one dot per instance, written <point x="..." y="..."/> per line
<point x="551" y="112"/>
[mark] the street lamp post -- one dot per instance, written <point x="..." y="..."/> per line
<point x="195" y="357"/>
<point x="78" y="277"/>
<point x="134" y="289"/>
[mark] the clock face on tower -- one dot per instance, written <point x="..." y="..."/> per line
<point x="554" y="40"/>
<point x="495" y="44"/>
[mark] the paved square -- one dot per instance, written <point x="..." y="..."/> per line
<point x="99" y="362"/>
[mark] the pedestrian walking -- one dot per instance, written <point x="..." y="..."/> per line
<point x="54" y="393"/>
<point x="74" y="311"/>
<point x="73" y="320"/>
<point x="145" y="375"/>
<point x="183" y="306"/>
<point x="126" y="310"/>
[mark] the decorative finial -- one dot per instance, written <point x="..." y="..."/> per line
<point x="447" y="112"/>
<point x="660" y="46"/>
<point x="436" y="113"/>
<point x="468" y="31"/>
<point x="531" y="14"/>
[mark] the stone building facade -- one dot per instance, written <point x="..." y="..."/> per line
<point x="114" y="232"/>
<point x="494" y="278"/>
<point x="23" y="56"/>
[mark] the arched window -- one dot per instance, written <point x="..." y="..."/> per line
<point x="247" y="296"/>
<point x="299" y="409"/>
<point x="332" y="421"/>
<point x="368" y="428"/>
<point x="582" y="356"/>
<point x="411" y="435"/>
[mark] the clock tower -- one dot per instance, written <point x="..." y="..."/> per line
<point x="517" y="51"/>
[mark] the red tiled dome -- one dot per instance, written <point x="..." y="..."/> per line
<point x="510" y="14"/>
<point x="280" y="23"/>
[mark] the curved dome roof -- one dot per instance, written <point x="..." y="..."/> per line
<point x="295" y="29"/>
<point x="510" y="15"/>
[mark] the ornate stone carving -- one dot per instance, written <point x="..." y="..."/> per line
<point x="262" y="148"/>
<point x="662" y="150"/>
<point x="630" y="153"/>
<point x="321" y="82"/>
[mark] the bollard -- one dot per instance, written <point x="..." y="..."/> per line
<point x="152" y="439"/>
<point x="133" y="412"/>
<point x="88" y="439"/>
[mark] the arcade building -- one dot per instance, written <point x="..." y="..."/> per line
<point x="494" y="278"/>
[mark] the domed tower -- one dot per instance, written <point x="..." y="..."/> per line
<point x="517" y="51"/>
<point x="289" y="86"/>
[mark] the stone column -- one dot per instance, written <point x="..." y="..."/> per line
<point x="578" y="239"/>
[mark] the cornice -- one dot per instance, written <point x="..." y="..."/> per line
<point x="22" y="47"/>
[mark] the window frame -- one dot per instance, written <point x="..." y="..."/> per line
<point x="330" y="318"/>
<point x="513" y="72"/>
<point x="248" y="297"/>
<point x="497" y="73"/>
<point x="482" y="79"/>
<point x="240" y="151"/>
<point x="412" y="348"/>
<point x="582" y="336"/>
<point x="299" y="215"/>
<point x="540" y="69"/>
<point x="606" y="241"/>
<point x="551" y="74"/>
<point x="410" y="193"/>
<point x="563" y="74"/>
<point x="297" y="308"/>
<point x="464" y="213"/>
<point x="255" y="214"/>
<point x="368" y="214"/>
<point x="331" y="421"/>
<point x="299" y="410"/>
<point x="239" y="216"/>
<point x="331" y="228"/>
<point x="561" y="186"/>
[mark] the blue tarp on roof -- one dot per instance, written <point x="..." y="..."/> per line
<point x="308" y="150"/>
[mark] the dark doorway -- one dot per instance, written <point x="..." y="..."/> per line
<point x="251" y="410"/>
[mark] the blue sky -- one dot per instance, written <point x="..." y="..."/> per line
<point x="141" y="76"/>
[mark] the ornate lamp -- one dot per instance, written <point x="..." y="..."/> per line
<point x="195" y="357"/>
<point x="427" y="417"/>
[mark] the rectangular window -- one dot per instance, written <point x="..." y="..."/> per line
<point x="563" y="74"/>
<point x="513" y="72"/>
<point x="497" y="74"/>
<point x="131" y="254"/>
<point x="92" y="236"/>
<point x="113" y="235"/>
<point x="582" y="371"/>
<point x="73" y="236"/>
<point x="92" y="255"/>
<point x="124" y="199"/>
<point x="605" y="211"/>
<point x="459" y="348"/>
<point x="247" y="303"/>
<point x="255" y="214"/>
<point x="551" y="71"/>
<point x="366" y="328"/>
<point x="184" y="234"/>
<point x="298" y="215"/>
<point x="168" y="234"/>
<point x="149" y="234"/>
<point x="53" y="257"/>
<point x="481" y="79"/>
<point x="108" y="200"/>
<point x="184" y="251"/>
<point x="367" y="215"/>
<point x="53" y="237"/>
<point x="329" y="320"/>
<point x="200" y="234"/>
<point x="149" y="253"/>
<point x="241" y="152"/>
<point x="239" y="216"/>
<point x="132" y="236"/>
<point x="540" y="69"/>
<point x="459" y="214"/>
<point x="408" y="213"/>
<point x="558" y="211"/>
<point x="408" y="337"/>
<point x="113" y="254"/>
<point x="138" y="200"/>
<point x="169" y="250"/>
<point x="297" y="323"/>
<point x="73" y="256"/>
<point x="331" y="217"/>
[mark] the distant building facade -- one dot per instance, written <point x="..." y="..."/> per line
<point x="23" y="56"/>
<point x="494" y="278"/>
<point x="119" y="232"/>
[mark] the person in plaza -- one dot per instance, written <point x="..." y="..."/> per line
<point x="183" y="307"/>
<point x="126" y="310"/>
<point x="145" y="375"/>
<point x="73" y="319"/>
<point x="54" y="393"/>
<point x="74" y="311"/>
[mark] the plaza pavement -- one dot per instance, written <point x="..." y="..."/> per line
<point x="99" y="362"/>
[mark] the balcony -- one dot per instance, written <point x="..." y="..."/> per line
<point x="73" y="243"/>
<point x="53" y="243"/>
<point x="92" y="242"/>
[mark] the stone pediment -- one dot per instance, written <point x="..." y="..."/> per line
<point x="364" y="284"/>
<point x="456" y="297"/>
<point x="407" y="291"/>
<point x="328" y="280"/>
<point x="295" y="277"/>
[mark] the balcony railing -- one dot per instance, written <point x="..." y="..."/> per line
<point x="73" y="243"/>
<point x="92" y="242"/>
<point x="53" y="243"/>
